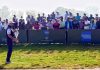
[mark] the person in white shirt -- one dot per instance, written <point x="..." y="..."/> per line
<point x="57" y="15"/>
<point x="6" y="24"/>
<point x="66" y="15"/>
<point x="86" y="24"/>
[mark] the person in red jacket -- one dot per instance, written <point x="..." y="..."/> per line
<point x="56" y="25"/>
<point x="36" y="26"/>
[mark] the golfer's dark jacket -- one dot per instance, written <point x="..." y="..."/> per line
<point x="9" y="40"/>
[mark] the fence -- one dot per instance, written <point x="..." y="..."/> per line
<point x="55" y="36"/>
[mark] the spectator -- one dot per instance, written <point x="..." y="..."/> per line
<point x="66" y="15"/>
<point x="75" y="23"/>
<point x="6" y="24"/>
<point x="61" y="22"/>
<point x="21" y="23"/>
<point x="57" y="15"/>
<point x="93" y="24"/>
<point x="86" y="23"/>
<point x="36" y="26"/>
<point x="78" y="17"/>
<point x="53" y="15"/>
<point x="44" y="24"/>
<point x="56" y="25"/>
<point x="97" y="17"/>
<point x="85" y="17"/>
<point x="28" y="18"/>
<point x="49" y="25"/>
<point x="91" y="17"/>
<point x="98" y="24"/>
<point x="0" y="24"/>
<point x="32" y="20"/>
<point x="28" y="26"/>
<point x="43" y="17"/>
<point x="81" y="24"/>
<point x="49" y="18"/>
<point x="15" y="21"/>
<point x="39" y="18"/>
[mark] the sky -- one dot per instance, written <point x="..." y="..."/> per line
<point x="47" y="6"/>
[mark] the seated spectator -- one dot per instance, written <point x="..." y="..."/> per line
<point x="56" y="25"/>
<point x="36" y="26"/>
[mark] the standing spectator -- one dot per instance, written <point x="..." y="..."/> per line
<point x="36" y="26"/>
<point x="91" y="17"/>
<point x="85" y="17"/>
<point x="28" y="26"/>
<point x="43" y="17"/>
<point x="6" y="24"/>
<point x="98" y="24"/>
<point x="32" y="20"/>
<point x="53" y="15"/>
<point x="86" y="24"/>
<point x="44" y="24"/>
<point x="56" y="25"/>
<point x="15" y="21"/>
<point x="49" y="18"/>
<point x="28" y="18"/>
<point x="75" y="23"/>
<point x="78" y="17"/>
<point x="0" y="24"/>
<point x="97" y="17"/>
<point x="49" y="25"/>
<point x="39" y="18"/>
<point x="92" y="24"/>
<point x="21" y="23"/>
<point x="57" y="15"/>
<point x="70" y="15"/>
<point x="66" y="15"/>
<point x="81" y="24"/>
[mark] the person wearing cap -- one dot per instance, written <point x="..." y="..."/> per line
<point x="10" y="39"/>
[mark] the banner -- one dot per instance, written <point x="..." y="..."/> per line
<point x="86" y="37"/>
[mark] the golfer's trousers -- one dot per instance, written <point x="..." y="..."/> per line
<point x="10" y="46"/>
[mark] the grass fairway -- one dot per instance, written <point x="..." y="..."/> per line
<point x="51" y="56"/>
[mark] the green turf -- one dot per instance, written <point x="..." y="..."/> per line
<point x="52" y="56"/>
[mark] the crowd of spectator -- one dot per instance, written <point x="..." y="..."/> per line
<point x="54" y="21"/>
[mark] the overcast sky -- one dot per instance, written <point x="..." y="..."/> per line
<point x="48" y="6"/>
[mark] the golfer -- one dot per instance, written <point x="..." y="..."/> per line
<point x="10" y="39"/>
